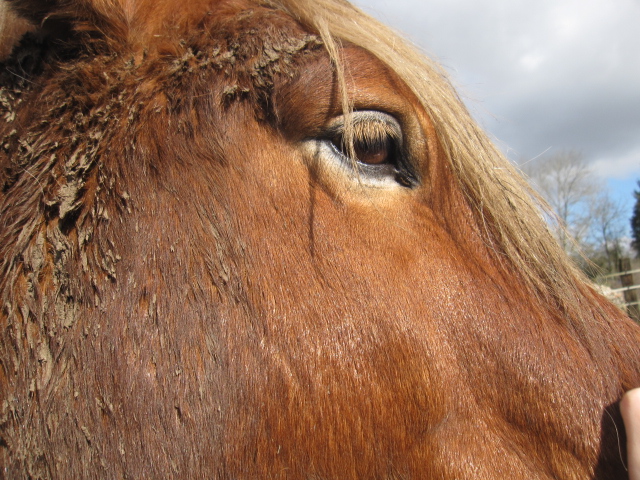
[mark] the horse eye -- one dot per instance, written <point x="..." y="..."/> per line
<point x="376" y="138"/>
<point x="376" y="154"/>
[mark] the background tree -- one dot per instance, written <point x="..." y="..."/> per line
<point x="635" y="222"/>
<point x="607" y="232"/>
<point x="567" y="183"/>
<point x="589" y="222"/>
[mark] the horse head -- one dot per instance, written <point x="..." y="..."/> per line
<point x="265" y="239"/>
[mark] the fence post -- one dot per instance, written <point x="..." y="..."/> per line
<point x="630" y="296"/>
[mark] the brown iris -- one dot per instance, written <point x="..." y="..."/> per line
<point x="376" y="154"/>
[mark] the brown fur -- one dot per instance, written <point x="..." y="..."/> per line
<point x="188" y="292"/>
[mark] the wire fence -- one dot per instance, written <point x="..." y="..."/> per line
<point x="624" y="287"/>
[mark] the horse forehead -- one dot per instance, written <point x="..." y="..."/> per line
<point x="145" y="26"/>
<point x="252" y="45"/>
<point x="141" y="22"/>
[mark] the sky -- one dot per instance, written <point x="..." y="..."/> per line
<point x="541" y="77"/>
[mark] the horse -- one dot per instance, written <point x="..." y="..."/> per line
<point x="251" y="239"/>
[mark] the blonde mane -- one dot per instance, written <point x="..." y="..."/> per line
<point x="507" y="209"/>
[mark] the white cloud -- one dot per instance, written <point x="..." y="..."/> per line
<point x="619" y="167"/>
<point x="531" y="61"/>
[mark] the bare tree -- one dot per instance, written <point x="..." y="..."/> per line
<point x="589" y="221"/>
<point x="567" y="183"/>
<point x="608" y="228"/>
